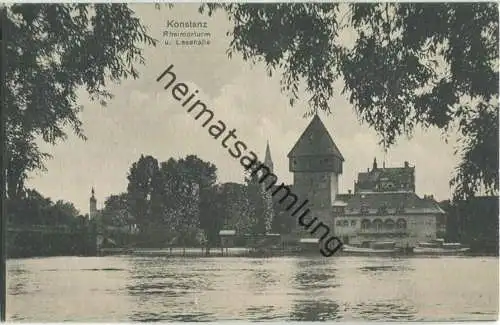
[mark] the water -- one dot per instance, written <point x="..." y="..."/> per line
<point x="208" y="289"/>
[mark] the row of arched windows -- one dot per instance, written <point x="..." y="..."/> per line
<point x="388" y="224"/>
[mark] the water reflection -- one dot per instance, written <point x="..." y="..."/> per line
<point x="169" y="317"/>
<point x="384" y="312"/>
<point x="261" y="277"/>
<point x="314" y="274"/>
<point x="215" y="289"/>
<point x="18" y="287"/>
<point x="386" y="268"/>
<point x="261" y="313"/>
<point x="311" y="311"/>
<point x="166" y="289"/>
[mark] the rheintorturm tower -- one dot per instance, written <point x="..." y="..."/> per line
<point x="268" y="199"/>
<point x="316" y="163"/>
<point x="93" y="205"/>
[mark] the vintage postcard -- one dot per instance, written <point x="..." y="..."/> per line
<point x="250" y="162"/>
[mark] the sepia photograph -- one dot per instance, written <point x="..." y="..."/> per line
<point x="181" y="162"/>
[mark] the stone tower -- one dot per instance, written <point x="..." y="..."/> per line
<point x="316" y="163"/>
<point x="93" y="205"/>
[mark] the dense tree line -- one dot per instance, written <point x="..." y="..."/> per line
<point x="32" y="208"/>
<point x="38" y="226"/>
<point x="473" y="222"/>
<point x="179" y="202"/>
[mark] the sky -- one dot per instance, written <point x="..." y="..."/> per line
<point x="144" y="119"/>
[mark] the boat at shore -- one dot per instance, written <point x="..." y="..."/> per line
<point x="439" y="247"/>
<point x="375" y="249"/>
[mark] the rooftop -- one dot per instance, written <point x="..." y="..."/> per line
<point x="315" y="141"/>
<point x="391" y="201"/>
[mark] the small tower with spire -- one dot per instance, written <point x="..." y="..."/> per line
<point x="268" y="161"/>
<point x="374" y="164"/>
<point x="93" y="205"/>
<point x="268" y="199"/>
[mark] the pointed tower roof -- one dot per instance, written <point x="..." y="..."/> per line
<point x="268" y="161"/>
<point x="268" y="153"/>
<point x="315" y="141"/>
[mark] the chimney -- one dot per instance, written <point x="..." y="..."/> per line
<point x="349" y="191"/>
<point x="407" y="164"/>
<point x="368" y="170"/>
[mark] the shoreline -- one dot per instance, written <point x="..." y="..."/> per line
<point x="240" y="252"/>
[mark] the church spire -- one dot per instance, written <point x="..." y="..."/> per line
<point x="268" y="161"/>
<point x="93" y="205"/>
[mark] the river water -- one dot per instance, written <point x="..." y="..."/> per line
<point x="127" y="288"/>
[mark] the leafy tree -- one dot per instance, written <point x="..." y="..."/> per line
<point x="171" y="198"/>
<point x="409" y="65"/>
<point x="64" y="213"/>
<point x="142" y="177"/>
<point x="34" y="209"/>
<point x="237" y="207"/>
<point x="199" y="171"/>
<point x="115" y="210"/>
<point x="51" y="51"/>
<point x="257" y="204"/>
<point x="196" y="176"/>
<point x="165" y="199"/>
<point x="213" y="213"/>
<point x="283" y="222"/>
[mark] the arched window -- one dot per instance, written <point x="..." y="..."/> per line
<point x="389" y="224"/>
<point x="365" y="224"/>
<point x="346" y="223"/>
<point x="401" y="224"/>
<point x="378" y="224"/>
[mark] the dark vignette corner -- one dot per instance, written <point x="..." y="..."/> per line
<point x="3" y="232"/>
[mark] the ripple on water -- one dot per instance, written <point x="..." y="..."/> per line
<point x="307" y="280"/>
<point x="312" y="311"/>
<point x="381" y="311"/>
<point x="385" y="268"/>
<point x="167" y="316"/>
<point x="261" y="313"/>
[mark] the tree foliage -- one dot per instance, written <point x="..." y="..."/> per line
<point x="408" y="65"/>
<point x="34" y="209"/>
<point x="143" y="178"/>
<point x="213" y="212"/>
<point x="52" y="51"/>
<point x="115" y="212"/>
<point x="166" y="195"/>
<point x="257" y="204"/>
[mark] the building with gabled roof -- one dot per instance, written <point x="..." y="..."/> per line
<point x="383" y="207"/>
<point x="386" y="179"/>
